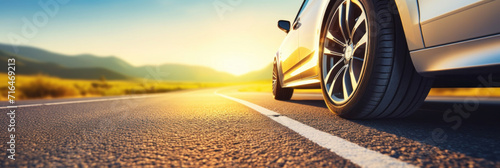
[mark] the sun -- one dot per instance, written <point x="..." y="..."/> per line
<point x="237" y="65"/>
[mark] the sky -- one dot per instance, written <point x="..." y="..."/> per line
<point x="235" y="36"/>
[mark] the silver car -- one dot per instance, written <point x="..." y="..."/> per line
<point x="380" y="58"/>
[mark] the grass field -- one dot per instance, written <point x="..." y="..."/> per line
<point x="46" y="87"/>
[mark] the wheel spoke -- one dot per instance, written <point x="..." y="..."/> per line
<point x="333" y="53"/>
<point x="330" y="92"/>
<point x="329" y="75"/>
<point x="347" y="16"/>
<point x="354" y="81"/>
<point x="360" y="20"/>
<point x="330" y="37"/>
<point x="341" y="13"/>
<point x="361" y="41"/>
<point x="275" y="72"/>
<point x="356" y="2"/>
<point x="359" y="59"/>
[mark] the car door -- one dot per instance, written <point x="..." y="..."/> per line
<point x="289" y="51"/>
<point x="447" y="21"/>
<point x="289" y="56"/>
<point x="309" y="34"/>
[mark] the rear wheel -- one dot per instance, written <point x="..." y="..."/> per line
<point x="366" y="70"/>
<point x="279" y="92"/>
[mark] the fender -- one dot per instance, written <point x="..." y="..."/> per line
<point x="410" y="18"/>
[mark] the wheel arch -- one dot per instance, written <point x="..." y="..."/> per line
<point x="408" y="11"/>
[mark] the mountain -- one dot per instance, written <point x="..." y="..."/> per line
<point x="40" y="59"/>
<point x="78" y="61"/>
<point x="31" y="67"/>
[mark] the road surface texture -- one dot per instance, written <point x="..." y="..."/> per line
<point x="209" y="127"/>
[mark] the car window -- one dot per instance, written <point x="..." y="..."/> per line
<point x="304" y="4"/>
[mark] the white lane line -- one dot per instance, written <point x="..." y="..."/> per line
<point x="345" y="149"/>
<point x="79" y="101"/>
<point x="260" y="109"/>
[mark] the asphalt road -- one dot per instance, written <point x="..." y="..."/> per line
<point x="201" y="128"/>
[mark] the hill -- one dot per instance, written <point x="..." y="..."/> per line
<point x="73" y="66"/>
<point x="76" y="61"/>
<point x="264" y="74"/>
<point x="26" y="66"/>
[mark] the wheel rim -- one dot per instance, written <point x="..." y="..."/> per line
<point x="344" y="51"/>
<point x="275" y="79"/>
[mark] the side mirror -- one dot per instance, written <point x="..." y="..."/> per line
<point x="284" y="25"/>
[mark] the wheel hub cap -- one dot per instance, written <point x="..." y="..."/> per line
<point x="348" y="52"/>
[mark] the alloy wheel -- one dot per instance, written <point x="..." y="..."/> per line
<point x="275" y="78"/>
<point x="344" y="51"/>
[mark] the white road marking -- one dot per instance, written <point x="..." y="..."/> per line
<point x="79" y="101"/>
<point x="345" y="149"/>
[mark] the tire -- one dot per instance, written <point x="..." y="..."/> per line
<point x="379" y="79"/>
<point x="279" y="92"/>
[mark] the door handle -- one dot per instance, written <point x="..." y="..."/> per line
<point x="297" y="24"/>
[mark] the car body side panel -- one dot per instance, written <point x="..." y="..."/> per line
<point x="288" y="56"/>
<point x="445" y="59"/>
<point x="311" y="22"/>
<point x="309" y="38"/>
<point x="447" y="21"/>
